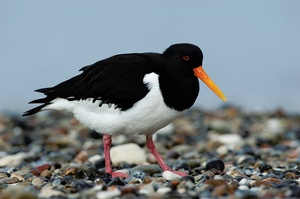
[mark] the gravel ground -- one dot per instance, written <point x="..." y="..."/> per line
<point x="227" y="153"/>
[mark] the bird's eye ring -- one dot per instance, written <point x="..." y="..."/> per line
<point x="186" y="58"/>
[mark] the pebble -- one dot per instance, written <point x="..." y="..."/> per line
<point x="38" y="182"/>
<point x="228" y="153"/>
<point x="130" y="153"/>
<point x="215" y="164"/>
<point x="149" y="169"/>
<point x="168" y="175"/>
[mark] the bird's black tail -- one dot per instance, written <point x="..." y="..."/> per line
<point x="46" y="101"/>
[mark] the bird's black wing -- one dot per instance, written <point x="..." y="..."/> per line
<point x="116" y="80"/>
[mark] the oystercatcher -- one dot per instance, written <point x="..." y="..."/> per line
<point x="129" y="94"/>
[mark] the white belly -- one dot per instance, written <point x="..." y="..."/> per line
<point x="145" y="117"/>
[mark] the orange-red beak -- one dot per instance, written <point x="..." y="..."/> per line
<point x="200" y="73"/>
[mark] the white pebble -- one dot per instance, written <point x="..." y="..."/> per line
<point x="163" y="190"/>
<point x="243" y="187"/>
<point x="94" y="158"/>
<point x="168" y="175"/>
<point x="108" y="194"/>
<point x="130" y="153"/>
<point x="243" y="181"/>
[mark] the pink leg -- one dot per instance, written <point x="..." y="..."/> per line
<point x="151" y="147"/>
<point x="108" y="168"/>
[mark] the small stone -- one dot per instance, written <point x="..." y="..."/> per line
<point x="265" y="168"/>
<point x="172" y="155"/>
<point x="48" y="192"/>
<point x="81" y="157"/>
<point x="147" y="189"/>
<point x="163" y="190"/>
<point x="20" y="178"/>
<point x="108" y="194"/>
<point x="56" y="182"/>
<point x="12" y="160"/>
<point x="46" y="174"/>
<point x="130" y="153"/>
<point x="93" y="159"/>
<point x="215" y="164"/>
<point x="149" y="169"/>
<point x="71" y="170"/>
<point x="193" y="163"/>
<point x="221" y="190"/>
<point x="168" y="175"/>
<point x="130" y="188"/>
<point x="18" y="192"/>
<point x="38" y="182"/>
<point x="215" y="183"/>
<point x="3" y="175"/>
<point x="138" y="175"/>
<point x="290" y="175"/>
<point x="43" y="167"/>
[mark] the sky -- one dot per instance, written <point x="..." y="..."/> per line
<point x="251" y="48"/>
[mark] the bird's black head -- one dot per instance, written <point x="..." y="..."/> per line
<point x="185" y="53"/>
<point x="185" y="60"/>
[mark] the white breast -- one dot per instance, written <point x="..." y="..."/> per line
<point x="146" y="116"/>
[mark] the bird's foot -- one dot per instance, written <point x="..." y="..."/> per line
<point x="115" y="174"/>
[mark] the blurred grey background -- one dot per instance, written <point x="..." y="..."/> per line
<point x="251" y="48"/>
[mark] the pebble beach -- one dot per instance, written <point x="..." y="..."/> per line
<point x="227" y="153"/>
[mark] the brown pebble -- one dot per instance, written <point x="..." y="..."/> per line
<point x="130" y="188"/>
<point x="174" y="183"/>
<point x="43" y="167"/>
<point x="215" y="183"/>
<point x="3" y="175"/>
<point x="81" y="157"/>
<point x="290" y="175"/>
<point x="147" y="179"/>
<point x="261" y="183"/>
<point x="222" y="190"/>
<point x="35" y="172"/>
<point x="272" y="180"/>
<point x="210" y="174"/>
<point x="20" y="178"/>
<point x="12" y="180"/>
<point x="46" y="174"/>
<point x="71" y="170"/>
<point x="234" y="185"/>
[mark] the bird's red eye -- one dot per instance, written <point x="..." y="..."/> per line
<point x="186" y="58"/>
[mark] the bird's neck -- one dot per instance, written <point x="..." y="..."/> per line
<point x="179" y="92"/>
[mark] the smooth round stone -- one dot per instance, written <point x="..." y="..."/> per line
<point x="28" y="175"/>
<point x="108" y="194"/>
<point x="248" y="172"/>
<point x="168" y="175"/>
<point x="38" y="182"/>
<point x="147" y="189"/>
<point x="172" y="155"/>
<point x="56" y="182"/>
<point x="149" y="169"/>
<point x="46" y="174"/>
<point x="48" y="192"/>
<point x="215" y="164"/>
<point x="163" y="190"/>
<point x="265" y="168"/>
<point x="243" y="181"/>
<point x="129" y="189"/>
<point x="243" y="187"/>
<point x="130" y="153"/>
<point x="193" y="163"/>
<point x="138" y="175"/>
